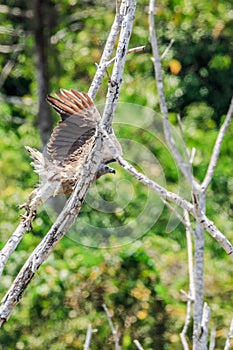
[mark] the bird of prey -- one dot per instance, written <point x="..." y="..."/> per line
<point x="60" y="165"/>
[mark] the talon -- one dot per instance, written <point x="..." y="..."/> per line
<point x="27" y="218"/>
<point x="22" y="217"/>
<point x="23" y="206"/>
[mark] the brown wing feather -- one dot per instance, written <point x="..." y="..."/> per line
<point x="79" y="119"/>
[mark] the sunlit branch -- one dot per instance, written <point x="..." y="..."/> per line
<point x="11" y="245"/>
<point x="90" y="331"/>
<point x="113" y="329"/>
<point x="167" y="50"/>
<point x="212" y="339"/>
<point x="191" y="293"/>
<point x="138" y="345"/>
<point x="229" y="340"/>
<point x="133" y="50"/>
<point x="205" y="323"/>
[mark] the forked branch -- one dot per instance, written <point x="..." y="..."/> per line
<point x="162" y="192"/>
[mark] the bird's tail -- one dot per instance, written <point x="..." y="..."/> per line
<point x="39" y="162"/>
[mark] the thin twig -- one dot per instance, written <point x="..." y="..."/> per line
<point x="229" y="340"/>
<point x="212" y="339"/>
<point x="11" y="245"/>
<point x="135" y="49"/>
<point x="184" y="167"/>
<point x="109" y="46"/>
<point x="88" y="337"/>
<point x="138" y="345"/>
<point x="183" y="140"/>
<point x="161" y="191"/>
<point x="216" y="149"/>
<point x="191" y="293"/>
<point x="205" y="323"/>
<point x="167" y="50"/>
<point x="189" y="234"/>
<point x="193" y="152"/>
<point x="113" y="329"/>
<point x="128" y="8"/>
<point x="186" y="325"/>
<point x="174" y="211"/>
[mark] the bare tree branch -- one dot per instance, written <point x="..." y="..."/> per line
<point x="167" y="50"/>
<point x="133" y="50"/>
<point x="162" y="192"/>
<point x="113" y="329"/>
<point x="229" y="340"/>
<point x="11" y="245"/>
<point x="189" y="234"/>
<point x="192" y="156"/>
<point x="212" y="339"/>
<point x="116" y="79"/>
<point x="174" y="211"/>
<point x="184" y="167"/>
<point x="191" y="293"/>
<point x="183" y="140"/>
<point x="186" y="325"/>
<point x="109" y="46"/>
<point x="205" y="325"/>
<point x="90" y="331"/>
<point x="138" y="345"/>
<point x="216" y="149"/>
<point x="199" y="201"/>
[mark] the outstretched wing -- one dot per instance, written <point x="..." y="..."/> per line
<point x="77" y="127"/>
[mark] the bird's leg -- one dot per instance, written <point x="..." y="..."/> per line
<point x="31" y="206"/>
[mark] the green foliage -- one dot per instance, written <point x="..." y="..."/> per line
<point x="139" y="282"/>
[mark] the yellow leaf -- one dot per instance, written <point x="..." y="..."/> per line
<point x="142" y="314"/>
<point x="175" y="66"/>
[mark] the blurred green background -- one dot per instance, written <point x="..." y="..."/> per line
<point x="140" y="282"/>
